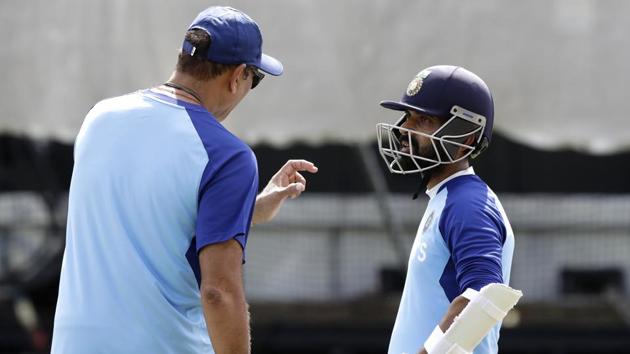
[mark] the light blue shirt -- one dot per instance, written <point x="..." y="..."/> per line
<point x="464" y="241"/>
<point x="155" y="180"/>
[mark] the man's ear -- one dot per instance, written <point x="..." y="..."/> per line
<point x="470" y="141"/>
<point x="237" y="75"/>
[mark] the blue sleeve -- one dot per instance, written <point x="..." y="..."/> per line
<point x="474" y="234"/>
<point x="227" y="195"/>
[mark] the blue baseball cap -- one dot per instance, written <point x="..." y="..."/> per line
<point x="235" y="39"/>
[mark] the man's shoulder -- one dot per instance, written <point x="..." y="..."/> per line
<point x="128" y="104"/>
<point x="224" y="148"/>
<point x="131" y="99"/>
<point x="218" y="140"/>
<point x="466" y="188"/>
<point x="470" y="203"/>
<point x="469" y="195"/>
<point x="215" y="137"/>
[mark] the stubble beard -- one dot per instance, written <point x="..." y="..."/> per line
<point x="426" y="151"/>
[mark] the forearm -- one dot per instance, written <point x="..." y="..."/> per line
<point x="456" y="307"/>
<point x="266" y="207"/>
<point x="227" y="318"/>
<point x="258" y="215"/>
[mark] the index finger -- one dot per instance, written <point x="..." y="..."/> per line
<point x="299" y="165"/>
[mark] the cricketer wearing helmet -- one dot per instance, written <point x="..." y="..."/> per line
<point x="464" y="243"/>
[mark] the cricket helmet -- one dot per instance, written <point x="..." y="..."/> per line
<point x="461" y="100"/>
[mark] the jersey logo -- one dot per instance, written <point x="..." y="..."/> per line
<point x="428" y="222"/>
<point x="422" y="248"/>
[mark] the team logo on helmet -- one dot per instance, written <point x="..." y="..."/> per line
<point x="416" y="83"/>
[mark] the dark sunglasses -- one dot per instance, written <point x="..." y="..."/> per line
<point x="258" y="76"/>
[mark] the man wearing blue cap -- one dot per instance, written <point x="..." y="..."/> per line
<point x="161" y="201"/>
<point x="464" y="241"/>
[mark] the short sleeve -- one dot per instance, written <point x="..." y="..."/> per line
<point x="474" y="234"/>
<point x="227" y="195"/>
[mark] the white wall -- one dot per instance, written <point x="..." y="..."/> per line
<point x="558" y="68"/>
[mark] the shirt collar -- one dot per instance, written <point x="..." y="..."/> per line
<point x="433" y="191"/>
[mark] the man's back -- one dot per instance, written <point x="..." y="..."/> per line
<point x="127" y="283"/>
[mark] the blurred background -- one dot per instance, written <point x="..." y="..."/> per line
<point x="326" y="276"/>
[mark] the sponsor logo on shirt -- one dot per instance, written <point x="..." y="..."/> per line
<point x="422" y="248"/>
<point x="427" y="223"/>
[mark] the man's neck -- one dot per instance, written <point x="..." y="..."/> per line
<point x="447" y="170"/>
<point x="211" y="102"/>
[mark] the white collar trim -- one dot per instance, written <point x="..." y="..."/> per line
<point x="433" y="191"/>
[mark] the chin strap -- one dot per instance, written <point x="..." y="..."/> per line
<point x="424" y="179"/>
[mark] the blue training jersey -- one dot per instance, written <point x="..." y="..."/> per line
<point x="155" y="179"/>
<point x="464" y="241"/>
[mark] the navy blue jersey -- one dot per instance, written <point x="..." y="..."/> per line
<point x="464" y="241"/>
